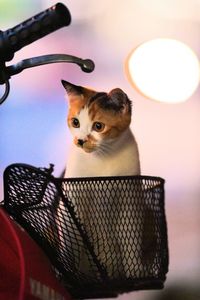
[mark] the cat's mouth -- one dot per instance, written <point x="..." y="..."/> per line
<point x="86" y="146"/>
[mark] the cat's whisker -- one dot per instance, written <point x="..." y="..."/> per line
<point x="104" y="149"/>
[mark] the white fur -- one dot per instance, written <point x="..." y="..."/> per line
<point x="116" y="158"/>
<point x="86" y="125"/>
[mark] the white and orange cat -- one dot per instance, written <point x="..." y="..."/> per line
<point x="103" y="145"/>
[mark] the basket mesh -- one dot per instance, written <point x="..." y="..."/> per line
<point x="104" y="236"/>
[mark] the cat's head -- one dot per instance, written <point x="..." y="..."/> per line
<point x="96" y="118"/>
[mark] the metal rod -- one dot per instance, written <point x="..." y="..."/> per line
<point x="86" y="65"/>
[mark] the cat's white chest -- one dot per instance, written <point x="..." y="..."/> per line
<point x="123" y="159"/>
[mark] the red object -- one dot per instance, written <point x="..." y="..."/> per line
<point x="25" y="271"/>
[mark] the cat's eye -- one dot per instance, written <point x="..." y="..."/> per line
<point x="75" y="122"/>
<point x="98" y="126"/>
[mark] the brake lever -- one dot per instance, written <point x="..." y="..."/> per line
<point x="86" y="65"/>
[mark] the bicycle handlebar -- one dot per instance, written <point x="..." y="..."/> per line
<point x="33" y="29"/>
<point x="29" y="31"/>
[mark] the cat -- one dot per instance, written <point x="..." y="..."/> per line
<point x="103" y="145"/>
<point x="103" y="142"/>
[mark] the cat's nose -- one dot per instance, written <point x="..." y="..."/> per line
<point x="80" y="142"/>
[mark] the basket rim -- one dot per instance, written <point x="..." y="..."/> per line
<point x="82" y="179"/>
<point x="104" y="178"/>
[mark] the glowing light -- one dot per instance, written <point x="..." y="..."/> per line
<point x="165" y="70"/>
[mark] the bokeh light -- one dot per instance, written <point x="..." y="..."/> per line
<point x="165" y="70"/>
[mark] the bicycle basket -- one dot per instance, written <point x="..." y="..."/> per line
<point x="104" y="236"/>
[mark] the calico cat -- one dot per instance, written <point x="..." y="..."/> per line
<point x="103" y="142"/>
<point x="103" y="145"/>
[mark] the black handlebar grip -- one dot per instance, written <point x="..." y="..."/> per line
<point x="33" y="29"/>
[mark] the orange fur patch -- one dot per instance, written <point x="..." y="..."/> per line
<point x="115" y="123"/>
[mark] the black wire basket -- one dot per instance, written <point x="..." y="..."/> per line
<point x="104" y="236"/>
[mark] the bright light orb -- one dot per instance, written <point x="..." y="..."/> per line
<point x="165" y="70"/>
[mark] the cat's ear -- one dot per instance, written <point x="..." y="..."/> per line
<point x="121" y="100"/>
<point x="72" y="89"/>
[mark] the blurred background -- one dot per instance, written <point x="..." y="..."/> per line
<point x="33" y="120"/>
